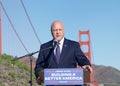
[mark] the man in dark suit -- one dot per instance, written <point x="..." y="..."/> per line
<point x="69" y="56"/>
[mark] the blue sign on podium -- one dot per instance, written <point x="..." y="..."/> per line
<point x="63" y="76"/>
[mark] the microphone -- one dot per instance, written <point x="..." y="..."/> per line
<point x="55" y="44"/>
<point x="30" y="54"/>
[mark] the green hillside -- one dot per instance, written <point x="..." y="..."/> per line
<point x="14" y="73"/>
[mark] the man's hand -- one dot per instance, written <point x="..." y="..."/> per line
<point x="39" y="81"/>
<point x="87" y="67"/>
<point x="40" y="78"/>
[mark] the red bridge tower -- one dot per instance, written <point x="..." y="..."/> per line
<point x="0" y="34"/>
<point x="84" y="41"/>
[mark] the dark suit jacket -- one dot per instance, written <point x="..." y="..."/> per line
<point x="71" y="54"/>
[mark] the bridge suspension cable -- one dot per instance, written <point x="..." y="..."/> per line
<point x="30" y="21"/>
<point x="13" y="27"/>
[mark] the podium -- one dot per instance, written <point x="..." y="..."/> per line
<point x="65" y="76"/>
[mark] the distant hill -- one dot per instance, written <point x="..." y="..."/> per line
<point x="107" y="75"/>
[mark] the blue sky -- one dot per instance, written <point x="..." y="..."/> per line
<point x="101" y="17"/>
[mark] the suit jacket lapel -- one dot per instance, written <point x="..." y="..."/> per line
<point x="51" y="52"/>
<point x="64" y="49"/>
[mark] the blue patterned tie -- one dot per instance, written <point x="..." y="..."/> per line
<point x="57" y="52"/>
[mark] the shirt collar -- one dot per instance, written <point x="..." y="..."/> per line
<point x="61" y="42"/>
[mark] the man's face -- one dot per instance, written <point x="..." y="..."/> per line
<point x="57" y="31"/>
